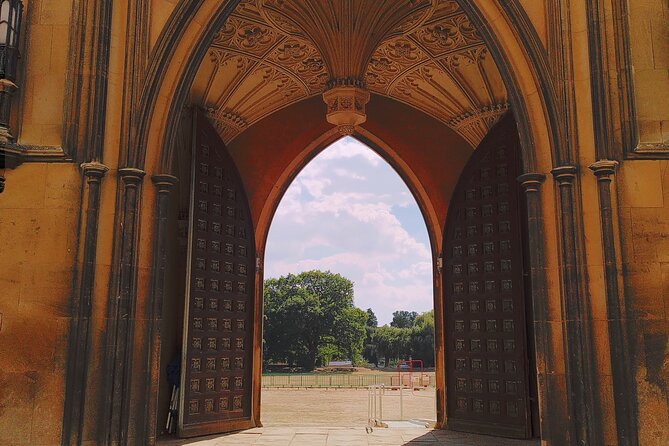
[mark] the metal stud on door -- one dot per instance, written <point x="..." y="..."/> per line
<point x="217" y="344"/>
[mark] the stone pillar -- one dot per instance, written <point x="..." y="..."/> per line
<point x="164" y="186"/>
<point x="582" y="390"/>
<point x="531" y="183"/>
<point x="120" y="325"/>
<point x="624" y="383"/>
<point x="79" y="339"/>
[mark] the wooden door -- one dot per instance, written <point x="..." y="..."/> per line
<point x="484" y="294"/>
<point x="216" y="368"/>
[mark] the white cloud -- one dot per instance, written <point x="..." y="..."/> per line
<point x="348" y="174"/>
<point x="338" y="215"/>
<point x="349" y="147"/>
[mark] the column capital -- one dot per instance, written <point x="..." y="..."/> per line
<point x="94" y="170"/>
<point x="164" y="182"/>
<point x="564" y="175"/>
<point x="603" y="169"/>
<point x="131" y="175"/>
<point x="531" y="182"/>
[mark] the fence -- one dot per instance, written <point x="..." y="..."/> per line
<point x="334" y="380"/>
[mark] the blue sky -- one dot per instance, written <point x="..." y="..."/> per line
<point x="349" y="212"/>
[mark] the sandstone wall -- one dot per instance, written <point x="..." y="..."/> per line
<point x="39" y="217"/>
<point x="649" y="42"/>
<point x="644" y="217"/>
<point x="38" y="114"/>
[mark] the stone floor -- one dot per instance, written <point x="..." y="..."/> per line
<point x="341" y="436"/>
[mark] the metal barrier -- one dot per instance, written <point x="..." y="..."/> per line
<point x="335" y="380"/>
<point x="375" y="406"/>
<point x="375" y="397"/>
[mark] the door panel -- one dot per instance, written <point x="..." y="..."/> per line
<point x="484" y="294"/>
<point x="218" y="323"/>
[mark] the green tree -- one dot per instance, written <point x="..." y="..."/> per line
<point x="393" y="343"/>
<point x="372" y="321"/>
<point x="370" y="352"/>
<point x="310" y="318"/>
<point x="350" y="332"/>
<point x="402" y="341"/>
<point x="403" y="319"/>
<point x="422" y="338"/>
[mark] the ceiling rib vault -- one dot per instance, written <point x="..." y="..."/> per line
<point x="424" y="53"/>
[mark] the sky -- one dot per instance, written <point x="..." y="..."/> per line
<point x="349" y="212"/>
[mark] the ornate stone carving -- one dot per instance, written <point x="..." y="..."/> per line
<point x="448" y="35"/>
<point x="474" y="125"/>
<point x="228" y="123"/>
<point x="346" y="107"/>
<point x="425" y="53"/>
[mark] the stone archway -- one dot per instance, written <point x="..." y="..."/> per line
<point x="187" y="39"/>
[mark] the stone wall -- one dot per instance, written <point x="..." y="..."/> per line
<point x="644" y="216"/>
<point x="42" y="86"/>
<point x="649" y="28"/>
<point x="39" y="218"/>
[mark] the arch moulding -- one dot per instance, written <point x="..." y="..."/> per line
<point x="183" y="44"/>
<point x="186" y="37"/>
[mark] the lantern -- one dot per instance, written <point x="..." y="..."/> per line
<point x="10" y="29"/>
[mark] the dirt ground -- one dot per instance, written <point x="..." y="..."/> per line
<point x="340" y="407"/>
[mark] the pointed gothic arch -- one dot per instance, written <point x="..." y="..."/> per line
<point x="192" y="27"/>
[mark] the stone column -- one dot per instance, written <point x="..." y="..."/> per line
<point x="582" y="392"/>
<point x="120" y="325"/>
<point x="258" y="311"/>
<point x="164" y="186"/>
<point x="531" y="183"/>
<point x="624" y="383"/>
<point x="79" y="338"/>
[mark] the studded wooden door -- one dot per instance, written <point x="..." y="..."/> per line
<point x="216" y="366"/>
<point x="484" y="295"/>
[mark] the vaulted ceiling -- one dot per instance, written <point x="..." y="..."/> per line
<point x="425" y="53"/>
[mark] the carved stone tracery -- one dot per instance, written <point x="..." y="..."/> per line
<point x="424" y="53"/>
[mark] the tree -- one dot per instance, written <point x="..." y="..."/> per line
<point x="422" y="338"/>
<point x="369" y="351"/>
<point x="310" y="318"/>
<point x="393" y="343"/>
<point x="350" y="331"/>
<point x="399" y="341"/>
<point x="372" y="321"/>
<point x="403" y="319"/>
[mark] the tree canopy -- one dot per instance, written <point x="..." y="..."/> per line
<point x="403" y="319"/>
<point x="402" y="341"/>
<point x="310" y="319"/>
<point x="372" y="321"/>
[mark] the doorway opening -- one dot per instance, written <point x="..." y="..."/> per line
<point x="348" y="296"/>
<point x="222" y="319"/>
